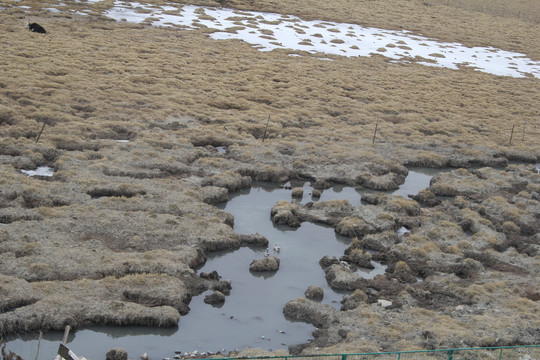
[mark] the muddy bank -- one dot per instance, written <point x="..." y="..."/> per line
<point x="106" y="218"/>
<point x="462" y="273"/>
<point x="471" y="249"/>
<point x="118" y="214"/>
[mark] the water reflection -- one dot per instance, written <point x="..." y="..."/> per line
<point x="252" y="316"/>
<point x="416" y="180"/>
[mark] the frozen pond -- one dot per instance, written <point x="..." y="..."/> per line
<point x="252" y="316"/>
<point x="269" y="31"/>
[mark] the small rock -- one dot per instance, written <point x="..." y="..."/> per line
<point x="314" y="293"/>
<point x="326" y="261"/>
<point x="217" y="297"/>
<point x="321" y="184"/>
<point x="253" y="240"/>
<point x="223" y="286"/>
<point x="426" y="197"/>
<point x="297" y="192"/>
<point x="361" y="258"/>
<point x="269" y="263"/>
<point x="340" y="279"/>
<point x="352" y="301"/>
<point x="214" y="194"/>
<point x="384" y="303"/>
<point x="210" y="276"/>
<point x="316" y="193"/>
<point x="402" y="272"/>
<point x="285" y="217"/>
<point x="116" y="354"/>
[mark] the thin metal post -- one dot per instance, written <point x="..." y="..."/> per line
<point x="500" y="355"/>
<point x="343" y="356"/>
<point x="451" y="355"/>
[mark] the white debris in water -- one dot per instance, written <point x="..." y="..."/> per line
<point x="269" y="31"/>
<point x="40" y="171"/>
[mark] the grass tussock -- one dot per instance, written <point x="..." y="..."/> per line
<point x="142" y="92"/>
<point x="133" y="115"/>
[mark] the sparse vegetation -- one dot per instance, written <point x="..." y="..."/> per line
<point x="133" y="118"/>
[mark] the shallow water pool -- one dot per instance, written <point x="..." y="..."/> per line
<point x="252" y="315"/>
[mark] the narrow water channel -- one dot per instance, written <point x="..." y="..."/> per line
<point x="252" y="315"/>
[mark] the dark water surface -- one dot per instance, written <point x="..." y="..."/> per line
<point x="252" y="316"/>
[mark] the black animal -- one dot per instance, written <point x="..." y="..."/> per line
<point x="35" y="27"/>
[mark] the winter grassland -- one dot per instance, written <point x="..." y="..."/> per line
<point x="128" y="116"/>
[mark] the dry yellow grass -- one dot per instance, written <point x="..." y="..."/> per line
<point x="101" y="79"/>
<point x="175" y="94"/>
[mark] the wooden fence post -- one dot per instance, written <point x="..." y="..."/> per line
<point x="375" y="132"/>
<point x="512" y="134"/>
<point x="43" y="127"/>
<point x="267" y="122"/>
